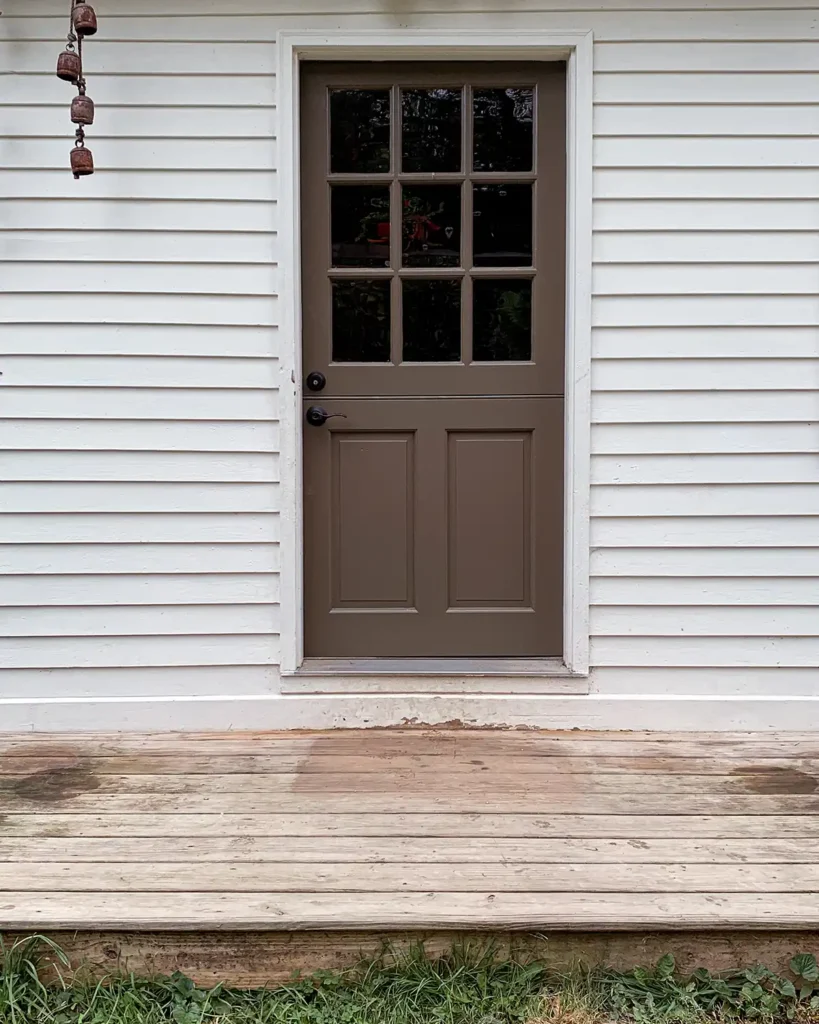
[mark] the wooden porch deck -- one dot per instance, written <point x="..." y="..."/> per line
<point x="400" y="830"/>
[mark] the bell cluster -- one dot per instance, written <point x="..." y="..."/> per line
<point x="82" y="23"/>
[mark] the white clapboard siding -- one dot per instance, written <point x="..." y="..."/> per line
<point x="145" y="436"/>
<point x="140" y="497"/>
<point x="124" y="215"/>
<point x="717" y="438"/>
<point x="47" y="121"/>
<point x="146" y="651"/>
<point x="210" y="467"/>
<point x="141" y="371"/>
<point x="139" y="338"/>
<point x="689" y="215"/>
<point x="708" y="247"/>
<point x="707" y="375"/>
<point x="125" y="401"/>
<point x="160" y="528"/>
<point x="765" y="567"/>
<point x="138" y="620"/>
<point x="715" y="530"/>
<point x="718" y="121"/>
<point x="698" y="469"/>
<point x="730" y="500"/>
<point x="676" y="342"/>
<point x="117" y="339"/>
<point x="707" y="591"/>
<point x="66" y="592"/>
<point x="705" y="407"/>
<point x="199" y="560"/>
<point x="685" y="620"/>
<point x="139" y="245"/>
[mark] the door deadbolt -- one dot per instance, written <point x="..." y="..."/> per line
<point x="316" y="381"/>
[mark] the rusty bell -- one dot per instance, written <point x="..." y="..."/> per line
<point x="82" y="161"/>
<point x="69" y="66"/>
<point x="84" y="19"/>
<point x="82" y="109"/>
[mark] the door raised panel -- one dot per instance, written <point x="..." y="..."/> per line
<point x="490" y="520"/>
<point x="372" y="520"/>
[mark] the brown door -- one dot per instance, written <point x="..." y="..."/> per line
<point x="433" y="200"/>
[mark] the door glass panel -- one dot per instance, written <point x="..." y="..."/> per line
<point x="431" y="130"/>
<point x="503" y="225"/>
<point x="360" y="225"/>
<point x="359" y="131"/>
<point x="503" y="127"/>
<point x="432" y="225"/>
<point x="432" y="321"/>
<point x="361" y="321"/>
<point x="502" y="320"/>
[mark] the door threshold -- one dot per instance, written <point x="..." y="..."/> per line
<point x="468" y="676"/>
<point x="433" y="667"/>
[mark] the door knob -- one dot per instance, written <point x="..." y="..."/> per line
<point x="317" y="417"/>
<point x="316" y="381"/>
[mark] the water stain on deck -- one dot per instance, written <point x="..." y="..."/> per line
<point x="771" y="780"/>
<point x="52" y="785"/>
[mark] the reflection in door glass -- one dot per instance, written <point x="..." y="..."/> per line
<point x="432" y="225"/>
<point x="431" y="130"/>
<point x="503" y="320"/>
<point x="432" y="321"/>
<point x="361" y="225"/>
<point x="503" y="127"/>
<point x="359" y="131"/>
<point x="502" y="225"/>
<point x="361" y="321"/>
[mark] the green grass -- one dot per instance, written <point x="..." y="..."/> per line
<point x="467" y="986"/>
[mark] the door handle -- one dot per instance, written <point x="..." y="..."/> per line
<point x="317" y="417"/>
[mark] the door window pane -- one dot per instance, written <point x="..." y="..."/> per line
<point x="503" y="225"/>
<point x="431" y="130"/>
<point x="360" y="225"/>
<point x="503" y="126"/>
<point x="502" y="320"/>
<point x="432" y="321"/>
<point x="361" y="321"/>
<point x="432" y="225"/>
<point x="359" y="131"/>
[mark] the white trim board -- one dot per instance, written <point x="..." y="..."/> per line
<point x="577" y="49"/>
<point x="363" y="711"/>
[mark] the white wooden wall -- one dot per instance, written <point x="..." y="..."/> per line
<point x="138" y="349"/>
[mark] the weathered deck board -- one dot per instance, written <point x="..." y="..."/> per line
<point x="511" y="876"/>
<point x="54" y="824"/>
<point x="308" y="910"/>
<point x="395" y="830"/>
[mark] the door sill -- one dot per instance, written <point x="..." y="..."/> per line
<point x="434" y="675"/>
<point x="433" y="667"/>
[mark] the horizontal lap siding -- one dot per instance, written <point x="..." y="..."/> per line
<point x="705" y="561"/>
<point x="139" y="354"/>
<point x="140" y="439"/>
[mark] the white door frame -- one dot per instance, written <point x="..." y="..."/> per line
<point x="577" y="49"/>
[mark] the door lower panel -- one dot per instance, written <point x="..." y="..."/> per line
<point x="434" y="531"/>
